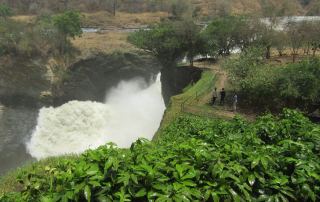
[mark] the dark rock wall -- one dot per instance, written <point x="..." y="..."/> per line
<point x="175" y="79"/>
<point x="22" y="81"/>
<point x="90" y="79"/>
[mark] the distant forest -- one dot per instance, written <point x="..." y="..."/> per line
<point x="207" y="7"/>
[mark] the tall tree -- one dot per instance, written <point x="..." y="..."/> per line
<point x="68" y="25"/>
<point x="296" y="37"/>
<point x="169" y="41"/>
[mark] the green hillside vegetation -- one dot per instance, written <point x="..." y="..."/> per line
<point x="266" y="86"/>
<point x="196" y="159"/>
<point x="261" y="84"/>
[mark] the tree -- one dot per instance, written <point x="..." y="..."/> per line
<point x="310" y="30"/>
<point x="224" y="34"/>
<point x="5" y="11"/>
<point x="68" y="25"/>
<point x="268" y="36"/>
<point x="280" y="42"/>
<point x="161" y="40"/>
<point x="180" y="9"/>
<point x="171" y="40"/>
<point x="192" y="41"/>
<point x="296" y="37"/>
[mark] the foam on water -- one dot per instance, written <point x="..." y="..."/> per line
<point x="131" y="110"/>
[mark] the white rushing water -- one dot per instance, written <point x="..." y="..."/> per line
<point x="131" y="110"/>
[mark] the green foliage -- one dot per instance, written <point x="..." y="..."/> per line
<point x="68" y="23"/>
<point x="227" y="33"/>
<point x="170" y="40"/>
<point x="270" y="87"/>
<point x="273" y="159"/>
<point x="221" y="32"/>
<point x="191" y="40"/>
<point x="248" y="61"/>
<point x="160" y="40"/>
<point x="5" y="11"/>
<point x="300" y="83"/>
<point x="46" y="36"/>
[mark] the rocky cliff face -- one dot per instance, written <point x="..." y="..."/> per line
<point x="175" y="79"/>
<point x="36" y="82"/>
<point x="23" y="81"/>
<point x="91" y="78"/>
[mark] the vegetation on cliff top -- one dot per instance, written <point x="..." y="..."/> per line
<point x="47" y="36"/>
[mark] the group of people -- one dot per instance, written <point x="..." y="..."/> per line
<point x="215" y="96"/>
<point x="222" y="98"/>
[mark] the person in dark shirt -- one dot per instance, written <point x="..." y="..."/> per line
<point x="222" y="96"/>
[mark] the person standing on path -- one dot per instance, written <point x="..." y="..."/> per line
<point x="222" y="96"/>
<point x="235" y="102"/>
<point x="214" y="96"/>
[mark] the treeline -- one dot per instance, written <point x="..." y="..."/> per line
<point x="260" y="85"/>
<point x="208" y="8"/>
<point x="45" y="6"/>
<point x="171" y="40"/>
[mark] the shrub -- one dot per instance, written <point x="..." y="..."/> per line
<point x="272" y="159"/>
<point x="269" y="87"/>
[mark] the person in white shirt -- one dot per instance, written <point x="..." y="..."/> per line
<point x="214" y="96"/>
<point x="235" y="102"/>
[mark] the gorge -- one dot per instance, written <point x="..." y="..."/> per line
<point x="104" y="98"/>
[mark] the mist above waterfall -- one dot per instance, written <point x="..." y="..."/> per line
<point x="132" y="110"/>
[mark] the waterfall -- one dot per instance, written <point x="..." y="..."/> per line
<point x="131" y="110"/>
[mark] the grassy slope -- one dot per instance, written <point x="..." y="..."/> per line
<point x="122" y="19"/>
<point x="191" y="95"/>
<point x="244" y="6"/>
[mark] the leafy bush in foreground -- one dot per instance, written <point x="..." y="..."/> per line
<point x="273" y="159"/>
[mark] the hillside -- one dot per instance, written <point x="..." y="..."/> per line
<point x="208" y="7"/>
<point x="283" y="7"/>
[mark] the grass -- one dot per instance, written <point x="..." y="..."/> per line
<point x="24" y="18"/>
<point x="105" y="42"/>
<point x="122" y="19"/>
<point x="192" y="94"/>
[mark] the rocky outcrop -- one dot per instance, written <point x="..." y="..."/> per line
<point x="91" y="78"/>
<point x="39" y="82"/>
<point x="23" y="81"/>
<point x="175" y="79"/>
